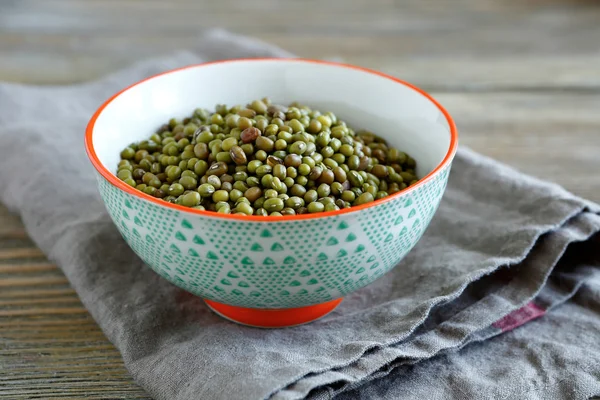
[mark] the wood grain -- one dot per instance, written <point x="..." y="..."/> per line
<point x="522" y="80"/>
<point x="50" y="347"/>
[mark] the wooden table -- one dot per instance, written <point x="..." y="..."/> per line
<point x="522" y="80"/>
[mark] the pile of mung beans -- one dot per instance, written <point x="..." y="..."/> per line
<point x="265" y="159"/>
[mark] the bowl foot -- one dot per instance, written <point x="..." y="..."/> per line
<point x="273" y="318"/>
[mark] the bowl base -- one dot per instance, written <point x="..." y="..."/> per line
<point x="272" y="318"/>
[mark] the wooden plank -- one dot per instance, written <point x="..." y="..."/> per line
<point x="11" y="227"/>
<point x="15" y="234"/>
<point x="8" y="254"/>
<point x="68" y="389"/>
<point x="27" y="268"/>
<point x="57" y="334"/>
<point x="93" y="357"/>
<point x="46" y="311"/>
<point x="44" y="321"/>
<point x="23" y="370"/>
<point x="12" y="282"/>
<point x="551" y="137"/>
<point x="38" y="301"/>
<point x="473" y="43"/>
<point x="66" y="349"/>
<point x="36" y="293"/>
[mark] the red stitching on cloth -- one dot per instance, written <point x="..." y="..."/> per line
<point x="519" y="317"/>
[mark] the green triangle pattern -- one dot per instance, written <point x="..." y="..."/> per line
<point x="266" y="233"/>
<point x="289" y="260"/>
<point x="342" y="225"/>
<point x="332" y="241"/>
<point x="276" y="247"/>
<point x="247" y="261"/>
<point x="295" y="283"/>
<point x="218" y="274"/>
<point x="268" y="261"/>
<point x="256" y="247"/>
<point x="198" y="240"/>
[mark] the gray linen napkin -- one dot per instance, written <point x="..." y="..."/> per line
<point x="504" y="248"/>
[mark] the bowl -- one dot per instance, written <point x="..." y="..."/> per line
<point x="275" y="271"/>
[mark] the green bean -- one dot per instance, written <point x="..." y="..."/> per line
<point x="265" y="159"/>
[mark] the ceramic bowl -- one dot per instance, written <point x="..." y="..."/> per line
<point x="275" y="271"/>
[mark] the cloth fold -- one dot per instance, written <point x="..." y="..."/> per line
<point x="503" y="249"/>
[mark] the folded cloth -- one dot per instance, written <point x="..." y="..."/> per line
<point x="503" y="249"/>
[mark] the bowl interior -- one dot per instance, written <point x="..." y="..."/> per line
<point x="365" y="100"/>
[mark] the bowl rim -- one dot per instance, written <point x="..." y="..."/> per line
<point x="115" y="181"/>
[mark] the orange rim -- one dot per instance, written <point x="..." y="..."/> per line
<point x="273" y="318"/>
<point x="89" y="147"/>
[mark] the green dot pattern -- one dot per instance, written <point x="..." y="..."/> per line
<point x="274" y="265"/>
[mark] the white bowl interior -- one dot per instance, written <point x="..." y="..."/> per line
<point x="401" y="115"/>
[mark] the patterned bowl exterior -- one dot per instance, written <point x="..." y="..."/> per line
<point x="274" y="264"/>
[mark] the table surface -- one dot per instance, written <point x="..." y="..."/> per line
<point x="522" y="80"/>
